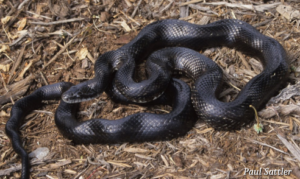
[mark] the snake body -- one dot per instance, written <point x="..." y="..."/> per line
<point x="134" y="128"/>
<point x="23" y="107"/>
<point x="171" y="33"/>
<point x="138" y="127"/>
<point x="206" y="75"/>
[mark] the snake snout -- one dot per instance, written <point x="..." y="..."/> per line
<point x="77" y="95"/>
<point x="73" y="95"/>
<point x="66" y="97"/>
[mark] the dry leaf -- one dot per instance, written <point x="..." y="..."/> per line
<point x="5" y="68"/>
<point x="3" y="114"/>
<point x="21" y="33"/>
<point x="178" y="160"/>
<point x="104" y="16"/>
<point x="288" y="12"/>
<point x="4" y="49"/>
<point x="5" y="19"/>
<point x="82" y="53"/>
<point x="27" y="66"/>
<point x="125" y="26"/>
<point x="22" y="24"/>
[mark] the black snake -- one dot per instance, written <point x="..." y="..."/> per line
<point x="205" y="73"/>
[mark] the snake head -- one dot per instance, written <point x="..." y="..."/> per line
<point x="79" y="93"/>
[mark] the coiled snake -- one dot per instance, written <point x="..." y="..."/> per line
<point x="207" y="76"/>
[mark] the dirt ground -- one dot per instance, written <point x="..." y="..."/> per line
<point x="45" y="41"/>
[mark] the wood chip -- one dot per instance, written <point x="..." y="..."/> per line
<point x="144" y="157"/>
<point x="135" y="150"/>
<point x="190" y="2"/>
<point x="125" y="26"/>
<point x="119" y="164"/>
<point x="5" y="68"/>
<point x="57" y="164"/>
<point x="288" y="12"/>
<point x="22" y="24"/>
<point x="164" y="160"/>
<point x="293" y="149"/>
<point x="5" y="20"/>
<point x="69" y="171"/>
<point x="16" y="90"/>
<point x="259" y="8"/>
<point x="20" y="77"/>
<point x="81" y="53"/>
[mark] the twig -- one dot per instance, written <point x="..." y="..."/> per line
<point x="16" y="64"/>
<point x="45" y="17"/>
<point x="262" y="23"/>
<point x="244" y="61"/>
<point x="60" y="52"/>
<point x="18" y="167"/>
<point x="257" y="142"/>
<point x="136" y="8"/>
<point x="128" y="3"/>
<point x="23" y="3"/>
<point x="13" y="8"/>
<point x="6" y="34"/>
<point x="234" y="86"/>
<point x="290" y="147"/>
<point x="5" y="87"/>
<point x="43" y="77"/>
<point x="275" y="122"/>
<point x="130" y="18"/>
<point x="12" y="20"/>
<point x="284" y="110"/>
<point x="21" y="36"/>
<point x="167" y="6"/>
<point x="184" y="11"/>
<point x="58" y="22"/>
<point x="8" y="57"/>
<point x="9" y="160"/>
<point x="100" y="167"/>
<point x="259" y="8"/>
<point x="69" y="53"/>
<point x="44" y="112"/>
<point x="200" y="8"/>
<point x="80" y="173"/>
<point x="17" y="89"/>
<point x="190" y="2"/>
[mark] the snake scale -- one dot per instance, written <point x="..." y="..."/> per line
<point x="174" y="43"/>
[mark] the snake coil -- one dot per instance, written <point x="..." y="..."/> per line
<point x="177" y="41"/>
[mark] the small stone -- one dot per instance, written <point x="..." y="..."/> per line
<point x="104" y="16"/>
<point x="85" y="63"/>
<point x="39" y="153"/>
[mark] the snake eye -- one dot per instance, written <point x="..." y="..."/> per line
<point x="65" y="97"/>
<point x="79" y="94"/>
